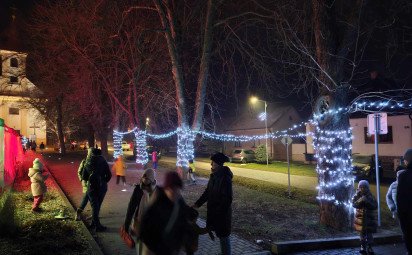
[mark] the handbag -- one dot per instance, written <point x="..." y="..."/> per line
<point x="127" y="238"/>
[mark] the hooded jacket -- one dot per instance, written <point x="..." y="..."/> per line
<point x="96" y="172"/>
<point x="365" y="214"/>
<point x="38" y="187"/>
<point x="219" y="196"/>
<point x="119" y="167"/>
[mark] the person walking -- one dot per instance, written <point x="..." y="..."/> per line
<point x="365" y="220"/>
<point x="218" y="195"/>
<point x="392" y="194"/>
<point x="119" y="167"/>
<point x="85" y="198"/>
<point x="163" y="224"/>
<point x="139" y="202"/>
<point x="97" y="174"/>
<point x="41" y="147"/>
<point x="404" y="201"/>
<point x="38" y="187"/>
<point x="154" y="159"/>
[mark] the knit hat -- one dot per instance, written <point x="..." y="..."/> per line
<point x="408" y="156"/>
<point x="219" y="158"/>
<point x="172" y="180"/>
<point x="150" y="175"/>
<point x="363" y="183"/>
<point x="37" y="164"/>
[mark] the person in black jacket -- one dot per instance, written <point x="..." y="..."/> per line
<point x="404" y="201"/>
<point x="219" y="195"/>
<point x="164" y="223"/>
<point x="97" y="174"/>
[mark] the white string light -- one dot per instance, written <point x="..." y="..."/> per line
<point x="185" y="148"/>
<point x="141" y="152"/>
<point x="333" y="149"/>
<point x="117" y="144"/>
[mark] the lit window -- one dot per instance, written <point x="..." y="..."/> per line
<point x="13" y="79"/>
<point x="14" y="62"/>
<point x="14" y="111"/>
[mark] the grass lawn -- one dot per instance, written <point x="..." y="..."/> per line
<point x="276" y="166"/>
<point x="41" y="233"/>
<point x="262" y="210"/>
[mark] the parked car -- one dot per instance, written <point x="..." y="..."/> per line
<point x="243" y="156"/>
<point x="150" y="149"/>
<point x="125" y="146"/>
<point x="364" y="167"/>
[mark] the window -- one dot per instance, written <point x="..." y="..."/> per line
<point x="388" y="138"/>
<point x="14" y="62"/>
<point x="13" y="79"/>
<point x="237" y="144"/>
<point x="14" y="111"/>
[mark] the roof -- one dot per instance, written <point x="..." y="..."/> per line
<point x="250" y="120"/>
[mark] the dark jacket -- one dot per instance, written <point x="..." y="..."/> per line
<point x="96" y="172"/>
<point x="218" y="195"/>
<point x="161" y="230"/>
<point x="404" y="193"/>
<point x="133" y="206"/>
<point x="365" y="214"/>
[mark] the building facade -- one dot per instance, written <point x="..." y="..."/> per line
<point x="15" y="89"/>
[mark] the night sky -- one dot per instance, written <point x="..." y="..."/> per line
<point x="377" y="75"/>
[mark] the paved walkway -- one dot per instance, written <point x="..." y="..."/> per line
<point x="389" y="249"/>
<point x="302" y="182"/>
<point x="115" y="204"/>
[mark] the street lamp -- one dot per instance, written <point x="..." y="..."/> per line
<point x="254" y="100"/>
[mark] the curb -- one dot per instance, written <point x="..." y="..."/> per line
<point x="96" y="250"/>
<point x="331" y="243"/>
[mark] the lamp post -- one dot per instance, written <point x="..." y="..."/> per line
<point x="253" y="100"/>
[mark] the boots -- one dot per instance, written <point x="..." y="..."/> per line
<point x="363" y="250"/>
<point x="370" y="250"/>
<point x="78" y="214"/>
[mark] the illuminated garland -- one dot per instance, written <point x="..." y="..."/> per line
<point x="185" y="148"/>
<point x="141" y="153"/>
<point x="333" y="151"/>
<point x="117" y="144"/>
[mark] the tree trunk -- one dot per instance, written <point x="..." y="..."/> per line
<point x="333" y="138"/>
<point x="204" y="65"/>
<point x="103" y="142"/>
<point x="59" y="122"/>
<point x="90" y="136"/>
<point x="334" y="165"/>
<point x="168" y="22"/>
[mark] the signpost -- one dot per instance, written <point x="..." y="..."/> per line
<point x="287" y="141"/>
<point x="377" y="124"/>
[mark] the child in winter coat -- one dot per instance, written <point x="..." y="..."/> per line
<point x="38" y="187"/>
<point x="193" y="231"/>
<point x="192" y="170"/>
<point x="365" y="219"/>
<point x="391" y="195"/>
<point x="119" y="167"/>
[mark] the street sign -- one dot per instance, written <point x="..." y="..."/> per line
<point x="286" y="140"/>
<point x="383" y="123"/>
